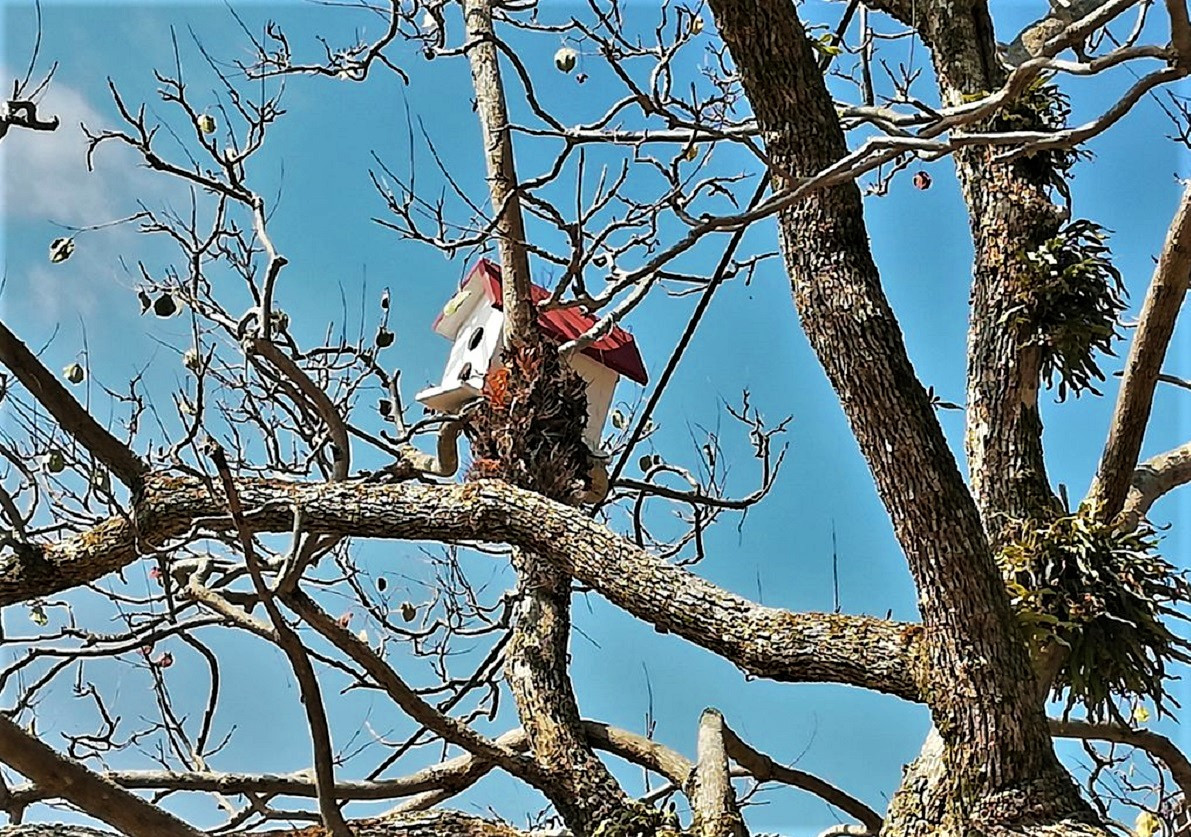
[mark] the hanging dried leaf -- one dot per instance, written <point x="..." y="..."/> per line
<point x="191" y="360"/>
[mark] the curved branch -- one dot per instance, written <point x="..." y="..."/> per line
<point x="341" y="447"/>
<point x="763" y="641"/>
<point x="765" y="769"/>
<point x="1155" y="477"/>
<point x="1156" y="745"/>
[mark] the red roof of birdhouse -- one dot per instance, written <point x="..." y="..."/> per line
<point x="616" y="350"/>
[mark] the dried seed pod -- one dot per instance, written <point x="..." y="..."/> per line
<point x="565" y="59"/>
<point x="74" y="373"/>
<point x="54" y="462"/>
<point x="165" y="305"/>
<point x="60" y="249"/>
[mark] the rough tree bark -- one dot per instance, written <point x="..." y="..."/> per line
<point x="1001" y="773"/>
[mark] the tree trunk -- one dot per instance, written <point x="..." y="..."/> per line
<point x="536" y="666"/>
<point x="998" y="768"/>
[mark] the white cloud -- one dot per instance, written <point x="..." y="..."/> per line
<point x="45" y="174"/>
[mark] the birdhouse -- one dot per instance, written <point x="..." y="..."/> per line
<point x="474" y="321"/>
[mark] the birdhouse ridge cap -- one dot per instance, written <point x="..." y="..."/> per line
<point x="617" y="350"/>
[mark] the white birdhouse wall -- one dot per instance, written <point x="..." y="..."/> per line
<point x="601" y="386"/>
<point x="476" y="347"/>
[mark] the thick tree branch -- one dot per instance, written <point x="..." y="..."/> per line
<point x="418" y="824"/>
<point x="583" y="790"/>
<point x="70" y="780"/>
<point x="765" y="642"/>
<point x="1155" y="326"/>
<point x="972" y="639"/>
<point x="1155" y="477"/>
<point x="71" y="417"/>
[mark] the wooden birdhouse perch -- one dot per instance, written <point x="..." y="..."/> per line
<point x="474" y="321"/>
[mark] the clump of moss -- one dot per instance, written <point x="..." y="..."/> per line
<point x="529" y="429"/>
<point x="1101" y="594"/>
<point x="1069" y="303"/>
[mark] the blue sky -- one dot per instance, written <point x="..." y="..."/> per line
<point x="318" y="156"/>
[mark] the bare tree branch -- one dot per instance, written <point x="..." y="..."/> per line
<point x="1155" y="477"/>
<point x="1155" y="326"/>
<point x="766" y="642"/>
<point x="765" y="769"/>
<point x="520" y="317"/>
<point x="295" y="651"/>
<point x="1153" y="743"/>
<point x="48" y="390"/>
<point x="99" y="797"/>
